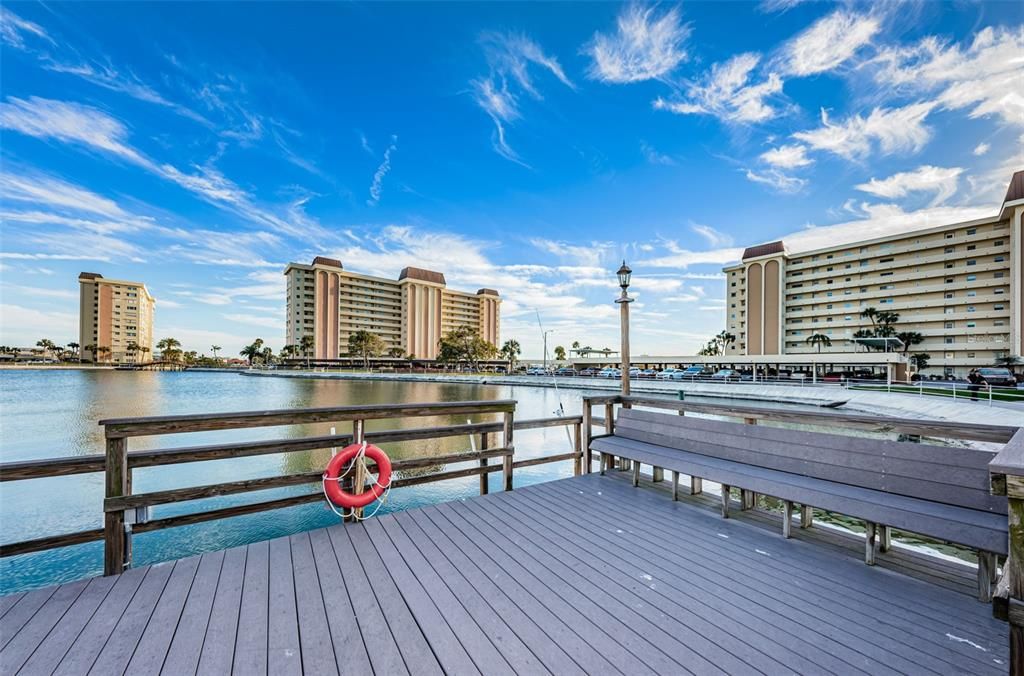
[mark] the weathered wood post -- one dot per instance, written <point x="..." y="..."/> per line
<point x="748" y="499"/>
<point x="609" y="428"/>
<point x="577" y="447"/>
<point x="484" y="476"/>
<point x="510" y="446"/>
<point x="1006" y="472"/>
<point x="587" y="429"/>
<point x="116" y="538"/>
<point x="359" y="472"/>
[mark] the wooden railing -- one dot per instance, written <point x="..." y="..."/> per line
<point x="126" y="513"/>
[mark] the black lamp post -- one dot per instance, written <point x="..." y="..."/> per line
<point x="624" y="300"/>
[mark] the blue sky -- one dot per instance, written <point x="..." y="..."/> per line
<point x="526" y="147"/>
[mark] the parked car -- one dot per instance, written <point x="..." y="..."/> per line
<point x="726" y="374"/>
<point x="693" y="372"/>
<point x="634" y="372"/>
<point x="589" y="372"/>
<point x="536" y="371"/>
<point x="565" y="371"/>
<point x="998" y="377"/>
<point x="648" y="373"/>
<point x="669" y="373"/>
<point x="609" y="372"/>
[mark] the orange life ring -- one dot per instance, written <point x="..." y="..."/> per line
<point x="347" y="500"/>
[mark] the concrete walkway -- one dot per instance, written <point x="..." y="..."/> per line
<point x="879" y="403"/>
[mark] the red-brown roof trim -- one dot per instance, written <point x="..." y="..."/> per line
<point x="764" y="250"/>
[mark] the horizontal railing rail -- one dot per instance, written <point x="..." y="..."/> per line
<point x="127" y="513"/>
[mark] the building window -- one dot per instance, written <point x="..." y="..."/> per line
<point x="971" y="325"/>
<point x="970" y="308"/>
<point x="971" y="247"/>
<point x="949" y="235"/>
<point x="949" y="266"/>
<point x="998" y="322"/>
<point x="950" y="249"/>
<point x="949" y="325"/>
<point x="948" y="340"/>
<point x="971" y="294"/>
<point x="972" y="262"/>
<point x="998" y="291"/>
<point x="972" y="231"/>
<point x="998" y="308"/>
<point x="949" y="294"/>
<point x="972" y="278"/>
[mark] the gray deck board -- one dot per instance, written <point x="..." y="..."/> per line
<point x="218" y="650"/>
<point x="186" y="647"/>
<point x="845" y="628"/>
<point x="582" y="575"/>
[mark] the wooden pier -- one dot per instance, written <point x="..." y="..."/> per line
<point x="587" y="574"/>
<point x="581" y="575"/>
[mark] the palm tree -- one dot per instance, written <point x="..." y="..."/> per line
<point x="576" y="346"/>
<point x="169" y="348"/>
<point x="132" y="348"/>
<point x="559" y="353"/>
<point x="870" y="313"/>
<point x="91" y="349"/>
<point x="252" y="351"/>
<point x="215" y="349"/>
<point x="919" y="361"/>
<point x="306" y="345"/>
<point x="143" y="349"/>
<point x="909" y="339"/>
<point x="103" y="351"/>
<point x="366" y="345"/>
<point x="267" y="355"/>
<point x="47" y="345"/>
<point x="510" y="351"/>
<point x="818" y="339"/>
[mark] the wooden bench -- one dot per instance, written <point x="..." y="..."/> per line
<point x="937" y="491"/>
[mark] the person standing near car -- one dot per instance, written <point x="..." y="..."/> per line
<point x="975" y="382"/>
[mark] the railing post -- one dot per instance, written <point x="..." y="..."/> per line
<point x="577" y="446"/>
<point x="117" y="540"/>
<point x="588" y="429"/>
<point x="484" y="476"/>
<point x="609" y="428"/>
<point x="507" y="442"/>
<point x="359" y="470"/>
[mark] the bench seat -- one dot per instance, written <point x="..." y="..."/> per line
<point x="982" y="530"/>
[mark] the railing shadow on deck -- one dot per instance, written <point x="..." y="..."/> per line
<point x="126" y="513"/>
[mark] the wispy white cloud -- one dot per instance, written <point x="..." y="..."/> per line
<point x="728" y="93"/>
<point x="890" y="129"/>
<point x="14" y="29"/>
<point x="714" y="237"/>
<point x="23" y="326"/>
<point x="769" y="6"/>
<point x="980" y="149"/>
<point x="681" y="257"/>
<point x="652" y="155"/>
<point x="256" y="320"/>
<point x="39" y="291"/>
<point x="986" y="76"/>
<point x="586" y="254"/>
<point x="787" y="157"/>
<point x="776" y="180"/>
<point x="94" y="129"/>
<point x="938" y="180"/>
<point x="509" y="58"/>
<point x="829" y="42"/>
<point x="378" y="176"/>
<point x="646" y="45"/>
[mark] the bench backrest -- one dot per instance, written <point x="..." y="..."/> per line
<point x="955" y="476"/>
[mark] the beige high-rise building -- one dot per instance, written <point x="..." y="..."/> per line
<point x="114" y="314"/>
<point x="958" y="285"/>
<point x="410" y="313"/>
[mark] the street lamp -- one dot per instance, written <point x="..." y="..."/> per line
<point x="624" y="300"/>
<point x="546" y="350"/>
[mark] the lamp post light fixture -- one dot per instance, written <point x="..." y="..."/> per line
<point x="624" y="300"/>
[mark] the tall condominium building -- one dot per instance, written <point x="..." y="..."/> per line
<point x="959" y="285"/>
<point x="114" y="314"/>
<point x="410" y="313"/>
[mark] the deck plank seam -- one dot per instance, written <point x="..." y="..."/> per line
<point x="113" y="630"/>
<point x="177" y="620"/>
<point x="25" y="627"/>
<point x="320" y="590"/>
<point x="238" y="616"/>
<point x="209" y="615"/>
<point x="796" y="613"/>
<point x="317" y="563"/>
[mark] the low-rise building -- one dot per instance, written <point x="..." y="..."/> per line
<point x="958" y="285"/>
<point x="409" y="314"/>
<point x="115" y="320"/>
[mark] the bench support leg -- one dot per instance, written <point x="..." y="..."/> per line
<point x="675" y="485"/>
<point x="869" y="543"/>
<point x="806" y="516"/>
<point x="636" y="473"/>
<point x="986" y="566"/>
<point x="696" y="485"/>
<point x="885" y="538"/>
<point x="725" y="501"/>
<point x="787" y="518"/>
<point x="657" y="474"/>
<point x="604" y="463"/>
<point x="746" y="499"/>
